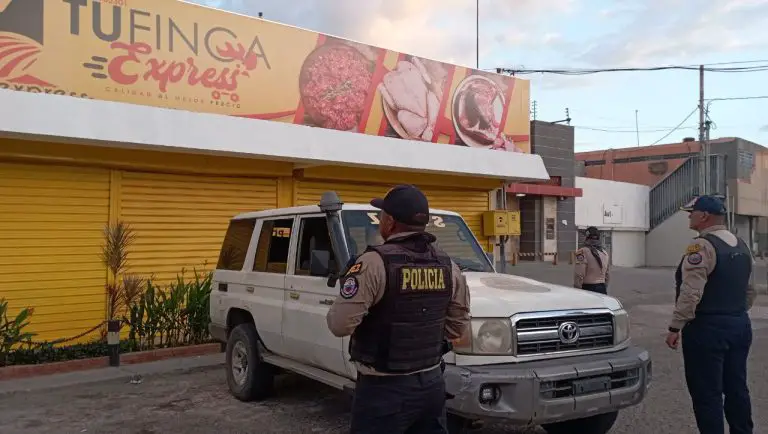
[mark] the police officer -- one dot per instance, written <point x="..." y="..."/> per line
<point x="714" y="291"/>
<point x="592" y="269"/>
<point x="400" y="301"/>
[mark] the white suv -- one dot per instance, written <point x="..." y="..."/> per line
<point x="537" y="353"/>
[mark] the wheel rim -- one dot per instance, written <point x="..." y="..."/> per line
<point x="239" y="363"/>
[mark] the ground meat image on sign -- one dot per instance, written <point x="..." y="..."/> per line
<point x="334" y="83"/>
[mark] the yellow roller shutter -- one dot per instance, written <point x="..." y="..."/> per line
<point x="51" y="224"/>
<point x="180" y="221"/>
<point x="469" y="203"/>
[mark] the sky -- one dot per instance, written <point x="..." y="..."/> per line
<point x="566" y="34"/>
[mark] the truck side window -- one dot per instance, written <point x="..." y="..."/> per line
<point x="272" y="246"/>
<point x="235" y="245"/>
<point x="314" y="236"/>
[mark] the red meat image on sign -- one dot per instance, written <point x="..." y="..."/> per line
<point x="21" y="40"/>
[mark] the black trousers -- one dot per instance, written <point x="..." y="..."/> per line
<point x="602" y="288"/>
<point x="400" y="404"/>
<point x="715" y="351"/>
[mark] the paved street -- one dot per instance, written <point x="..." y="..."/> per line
<point x="197" y="401"/>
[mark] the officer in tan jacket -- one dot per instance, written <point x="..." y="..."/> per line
<point x="400" y="301"/>
<point x="592" y="269"/>
<point x="714" y="291"/>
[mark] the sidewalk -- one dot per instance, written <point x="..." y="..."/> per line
<point x="562" y="273"/>
<point x="125" y="372"/>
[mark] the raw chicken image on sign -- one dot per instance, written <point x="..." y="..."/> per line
<point x="415" y="96"/>
<point x="411" y="97"/>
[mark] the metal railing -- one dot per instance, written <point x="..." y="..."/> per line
<point x="683" y="184"/>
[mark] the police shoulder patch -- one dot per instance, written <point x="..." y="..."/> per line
<point x="355" y="269"/>
<point x="349" y="287"/>
<point x="695" y="258"/>
<point x="580" y="257"/>
<point x="693" y="248"/>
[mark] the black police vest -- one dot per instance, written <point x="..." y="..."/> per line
<point x="725" y="292"/>
<point x="404" y="332"/>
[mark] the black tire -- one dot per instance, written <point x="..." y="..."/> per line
<point x="458" y="424"/>
<point x="599" y="424"/>
<point x="256" y="380"/>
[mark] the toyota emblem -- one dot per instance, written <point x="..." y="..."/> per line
<point x="568" y="332"/>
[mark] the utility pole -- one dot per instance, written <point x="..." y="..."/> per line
<point x="477" y="34"/>
<point x="703" y="159"/>
<point x="637" y="129"/>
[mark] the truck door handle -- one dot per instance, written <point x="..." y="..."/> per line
<point x="327" y="301"/>
<point x="249" y="289"/>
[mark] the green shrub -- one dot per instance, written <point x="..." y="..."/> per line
<point x="12" y="330"/>
<point x="173" y="316"/>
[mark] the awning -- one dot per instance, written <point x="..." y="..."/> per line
<point x="544" y="190"/>
<point x="54" y="118"/>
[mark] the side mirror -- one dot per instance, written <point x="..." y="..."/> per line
<point x="319" y="263"/>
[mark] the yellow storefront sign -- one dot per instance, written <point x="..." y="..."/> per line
<point x="183" y="56"/>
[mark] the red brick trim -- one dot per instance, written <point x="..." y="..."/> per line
<point x="544" y="190"/>
<point x="25" y="371"/>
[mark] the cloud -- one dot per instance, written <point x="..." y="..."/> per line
<point x="437" y="29"/>
<point x="534" y="33"/>
<point x="764" y="129"/>
<point x="661" y="31"/>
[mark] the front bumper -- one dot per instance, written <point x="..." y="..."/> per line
<point x="543" y="391"/>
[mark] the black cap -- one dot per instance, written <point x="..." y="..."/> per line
<point x="592" y="232"/>
<point x="708" y="203"/>
<point x="406" y="204"/>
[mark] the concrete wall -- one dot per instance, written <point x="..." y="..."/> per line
<point x="666" y="243"/>
<point x="549" y="226"/>
<point x="567" y="233"/>
<point x="628" y="248"/>
<point x="612" y="205"/>
<point x="751" y="161"/>
<point x="530" y="231"/>
<point x="555" y="143"/>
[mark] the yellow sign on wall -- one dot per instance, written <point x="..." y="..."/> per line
<point x="184" y="56"/>
<point x="499" y="223"/>
<point x="514" y="223"/>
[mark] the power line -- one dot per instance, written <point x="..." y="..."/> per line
<point x="677" y="127"/>
<point x="587" y="71"/>
<point x="692" y="66"/>
<point x="627" y="130"/>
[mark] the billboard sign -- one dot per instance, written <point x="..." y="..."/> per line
<point x="183" y="56"/>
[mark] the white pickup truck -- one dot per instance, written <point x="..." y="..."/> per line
<point x="537" y="353"/>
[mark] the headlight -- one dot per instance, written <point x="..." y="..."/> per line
<point x="620" y="326"/>
<point x="487" y="336"/>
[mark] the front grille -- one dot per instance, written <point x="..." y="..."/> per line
<point x="565" y="388"/>
<point x="541" y="335"/>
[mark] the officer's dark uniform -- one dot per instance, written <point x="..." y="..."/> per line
<point x="400" y="302"/>
<point x="713" y="295"/>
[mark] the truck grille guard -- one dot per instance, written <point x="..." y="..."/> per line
<point x="562" y="332"/>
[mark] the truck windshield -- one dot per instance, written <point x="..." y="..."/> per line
<point x="453" y="237"/>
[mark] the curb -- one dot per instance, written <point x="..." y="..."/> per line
<point x="27" y="371"/>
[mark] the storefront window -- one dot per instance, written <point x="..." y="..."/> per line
<point x="453" y="237"/>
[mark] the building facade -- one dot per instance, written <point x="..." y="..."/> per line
<point x="737" y="170"/>
<point x="620" y="211"/>
<point x="176" y="129"/>
<point x="547" y="209"/>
